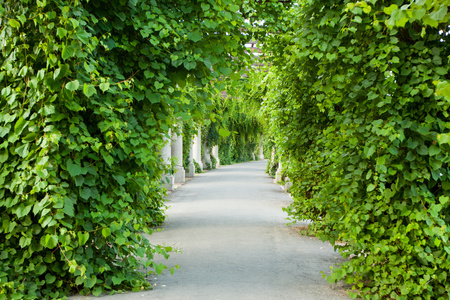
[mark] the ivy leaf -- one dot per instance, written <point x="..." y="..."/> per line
<point x="22" y="210"/>
<point x="82" y="237"/>
<point x="194" y="36"/>
<point x="443" y="138"/>
<point x="49" y="278"/>
<point x="107" y="157"/>
<point x="4" y="154"/>
<point x="189" y="65"/>
<point x="24" y="241"/>
<point x="106" y="232"/>
<point x="434" y="150"/>
<point x="61" y="32"/>
<point x="440" y="14"/>
<point x="443" y="89"/>
<point x="14" y="23"/>
<point x="104" y="86"/>
<point x="49" y="241"/>
<point x="205" y="6"/>
<point x="370" y="187"/>
<point x="22" y="150"/>
<point x="224" y="132"/>
<point x="234" y="8"/>
<point x="72" y="85"/>
<point x="86" y="193"/>
<point x="74" y="169"/>
<point x="120" y="240"/>
<point x="390" y="9"/>
<point x="20" y="124"/>
<point x="89" y="90"/>
<point x="83" y="36"/>
<point x="207" y="63"/>
<point x="22" y="19"/>
<point x="225" y="71"/>
<point x="69" y="206"/>
<point x="68" y="52"/>
<point x="120" y="179"/>
<point x="159" y="268"/>
<point x="97" y="291"/>
<point x="369" y="151"/>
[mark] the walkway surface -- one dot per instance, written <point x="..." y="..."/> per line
<point x="235" y="243"/>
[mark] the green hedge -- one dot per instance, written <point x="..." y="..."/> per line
<point x="88" y="88"/>
<point x="353" y="103"/>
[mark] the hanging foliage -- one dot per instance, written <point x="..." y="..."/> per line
<point x="239" y="124"/>
<point x="356" y="100"/>
<point x="88" y="89"/>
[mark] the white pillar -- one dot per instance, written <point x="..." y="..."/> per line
<point x="261" y="148"/>
<point x="197" y="148"/>
<point x="278" y="173"/>
<point x="215" y="153"/>
<point x="272" y="157"/>
<point x="191" y="170"/>
<point x="287" y="185"/>
<point x="166" y="153"/>
<point x="206" y="155"/>
<point x="177" y="153"/>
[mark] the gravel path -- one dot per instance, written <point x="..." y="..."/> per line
<point x="235" y="243"/>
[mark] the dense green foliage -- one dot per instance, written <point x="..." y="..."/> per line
<point x="88" y="88"/>
<point x="241" y="122"/>
<point x="356" y="101"/>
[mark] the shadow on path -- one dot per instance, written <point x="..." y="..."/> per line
<point x="235" y="243"/>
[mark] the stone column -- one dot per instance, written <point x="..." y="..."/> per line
<point x="191" y="171"/>
<point x="166" y="153"/>
<point x="177" y="153"/>
<point x="206" y="155"/>
<point x="197" y="147"/>
<point x="272" y="157"/>
<point x="278" y="173"/>
<point x="215" y="153"/>
<point x="261" y="148"/>
<point x="287" y="185"/>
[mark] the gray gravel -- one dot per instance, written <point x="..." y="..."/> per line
<point x="235" y="243"/>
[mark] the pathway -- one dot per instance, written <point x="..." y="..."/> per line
<point x="235" y="244"/>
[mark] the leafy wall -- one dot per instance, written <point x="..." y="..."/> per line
<point x="357" y="100"/>
<point x="88" y="88"/>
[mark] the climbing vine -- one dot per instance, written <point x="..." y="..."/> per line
<point x="240" y="124"/>
<point x="358" y="100"/>
<point x="88" y="90"/>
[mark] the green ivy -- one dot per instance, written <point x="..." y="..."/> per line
<point x="88" y="89"/>
<point x="188" y="134"/>
<point x="358" y="100"/>
<point x="198" y="169"/>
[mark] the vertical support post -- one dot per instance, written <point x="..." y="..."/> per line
<point x="261" y="148"/>
<point x="215" y="153"/>
<point x="166" y="153"/>
<point x="278" y="173"/>
<point x="191" y="170"/>
<point x="206" y="155"/>
<point x="197" y="147"/>
<point x="177" y="152"/>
